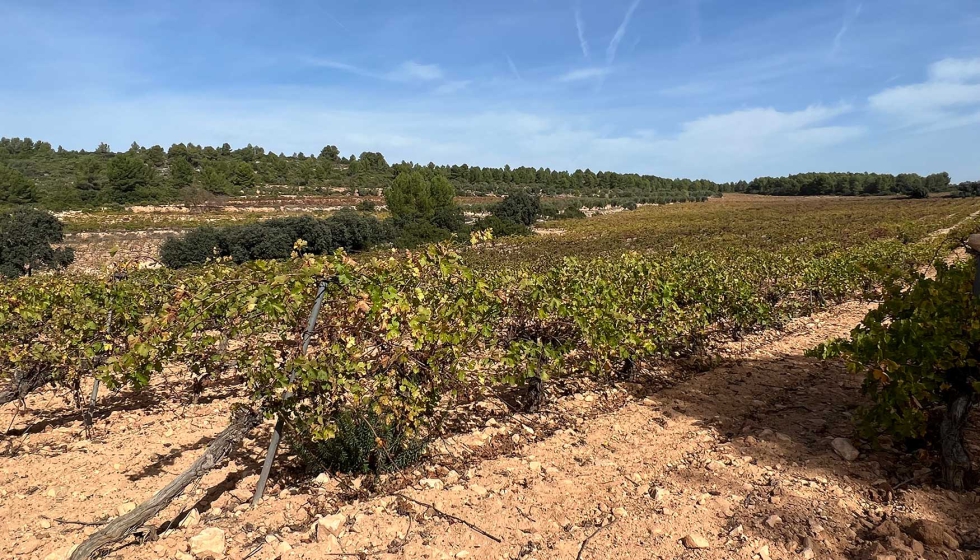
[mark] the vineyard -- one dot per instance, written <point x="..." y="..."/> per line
<point x="402" y="343"/>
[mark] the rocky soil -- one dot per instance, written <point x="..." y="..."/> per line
<point x="756" y="458"/>
<point x="97" y="252"/>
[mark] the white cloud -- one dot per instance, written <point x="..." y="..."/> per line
<point x="584" y="74"/>
<point x="413" y="71"/>
<point x="955" y="70"/>
<point x="620" y="33"/>
<point x="727" y="146"/>
<point x="760" y="133"/>
<point x="949" y="98"/>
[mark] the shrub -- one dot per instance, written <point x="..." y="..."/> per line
<point x="520" y="208"/>
<point x="276" y="239"/>
<point x="500" y="227"/>
<point x="365" y="206"/>
<point x="918" y="191"/>
<point x="259" y="241"/>
<point x="572" y="213"/>
<point x="357" y="232"/>
<point x="364" y="442"/>
<point x="26" y="236"/>
<point x="195" y="247"/>
<point x="317" y="233"/>
<point x="419" y="233"/>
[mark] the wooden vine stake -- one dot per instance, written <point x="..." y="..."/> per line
<point x="277" y="431"/>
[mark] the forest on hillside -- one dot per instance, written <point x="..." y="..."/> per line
<point x="33" y="172"/>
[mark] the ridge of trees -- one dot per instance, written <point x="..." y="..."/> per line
<point x="846" y="184"/>
<point x="79" y="178"/>
<point x="968" y="188"/>
<point x="35" y="173"/>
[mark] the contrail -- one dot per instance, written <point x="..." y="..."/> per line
<point x="580" y="27"/>
<point x="513" y="67"/>
<point x="848" y="20"/>
<point x="620" y="33"/>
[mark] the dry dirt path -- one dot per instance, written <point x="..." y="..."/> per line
<point x="739" y="456"/>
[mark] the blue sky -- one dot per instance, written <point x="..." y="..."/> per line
<point x="721" y="89"/>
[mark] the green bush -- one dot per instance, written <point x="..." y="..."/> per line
<point x="501" y="227"/>
<point x="419" y="233"/>
<point x="363" y="443"/>
<point x="520" y="208"/>
<point x="26" y="236"/>
<point x="356" y="232"/>
<point x="195" y="247"/>
<point x="276" y="239"/>
<point x="259" y="241"/>
<point x="918" y="191"/>
<point x="572" y="213"/>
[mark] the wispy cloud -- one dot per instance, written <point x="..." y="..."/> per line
<point x="452" y="87"/>
<point x="581" y="74"/>
<point x="409" y="71"/>
<point x="949" y="98"/>
<point x="413" y="71"/>
<point x="513" y="67"/>
<point x="342" y="66"/>
<point x="620" y="33"/>
<point x="337" y="21"/>
<point x="688" y="90"/>
<point x="849" y="17"/>
<point x="580" y="27"/>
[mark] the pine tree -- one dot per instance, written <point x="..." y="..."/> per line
<point x="15" y="188"/>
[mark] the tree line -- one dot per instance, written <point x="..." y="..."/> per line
<point x="847" y="184"/>
<point x="32" y="172"/>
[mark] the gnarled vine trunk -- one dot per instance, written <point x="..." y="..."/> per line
<point x="534" y="396"/>
<point x="121" y="527"/>
<point x="956" y="465"/>
<point x="22" y="385"/>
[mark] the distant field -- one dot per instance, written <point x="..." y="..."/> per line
<point x="236" y="211"/>
<point x="735" y="221"/>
